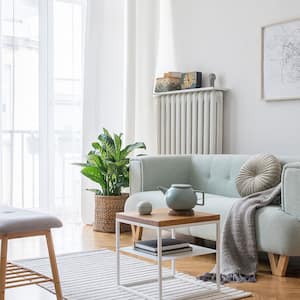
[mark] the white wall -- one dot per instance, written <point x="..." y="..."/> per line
<point x="223" y="36"/>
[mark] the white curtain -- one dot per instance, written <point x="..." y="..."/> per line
<point x="142" y="19"/>
<point x="120" y="58"/>
<point x="40" y="104"/>
<point x="103" y="80"/>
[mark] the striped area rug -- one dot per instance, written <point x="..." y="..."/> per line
<point x="92" y="276"/>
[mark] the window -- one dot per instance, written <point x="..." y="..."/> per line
<point x="40" y="103"/>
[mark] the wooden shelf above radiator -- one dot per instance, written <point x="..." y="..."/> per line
<point x="205" y="89"/>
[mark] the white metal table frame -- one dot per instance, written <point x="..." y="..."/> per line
<point x="159" y="256"/>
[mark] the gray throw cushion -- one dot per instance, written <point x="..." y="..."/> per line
<point x="258" y="173"/>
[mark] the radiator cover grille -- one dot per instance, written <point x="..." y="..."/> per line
<point x="190" y="122"/>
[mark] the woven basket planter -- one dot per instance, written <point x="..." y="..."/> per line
<point x="106" y="208"/>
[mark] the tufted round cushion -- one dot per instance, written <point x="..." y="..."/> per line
<point x="258" y="173"/>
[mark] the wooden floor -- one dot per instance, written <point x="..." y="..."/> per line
<point x="76" y="237"/>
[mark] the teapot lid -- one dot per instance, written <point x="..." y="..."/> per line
<point x="181" y="186"/>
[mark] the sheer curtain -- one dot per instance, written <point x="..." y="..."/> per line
<point x="120" y="60"/>
<point x="103" y="80"/>
<point x="41" y="104"/>
<point x="142" y="28"/>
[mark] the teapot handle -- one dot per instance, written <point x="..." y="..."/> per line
<point x="203" y="197"/>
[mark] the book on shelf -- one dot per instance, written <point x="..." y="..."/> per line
<point x="166" y="252"/>
<point x="167" y="244"/>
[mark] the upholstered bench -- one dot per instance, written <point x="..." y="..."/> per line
<point x="19" y="223"/>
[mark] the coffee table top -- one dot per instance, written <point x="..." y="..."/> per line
<point x="160" y="218"/>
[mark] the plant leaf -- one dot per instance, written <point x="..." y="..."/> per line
<point x="94" y="160"/>
<point x="118" y="145"/>
<point x="80" y="164"/>
<point x="96" y="145"/>
<point x="129" y="148"/>
<point x="94" y="174"/>
<point x="106" y="132"/>
<point x="108" y="144"/>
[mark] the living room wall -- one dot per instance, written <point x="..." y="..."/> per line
<point x="224" y="37"/>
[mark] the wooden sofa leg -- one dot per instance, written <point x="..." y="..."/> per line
<point x="137" y="233"/>
<point x="278" y="264"/>
<point x="3" y="262"/>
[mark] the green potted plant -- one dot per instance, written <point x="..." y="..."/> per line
<point x="108" y="165"/>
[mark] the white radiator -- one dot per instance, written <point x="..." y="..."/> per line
<point x="190" y="121"/>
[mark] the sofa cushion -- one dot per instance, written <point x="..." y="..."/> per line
<point x="258" y="173"/>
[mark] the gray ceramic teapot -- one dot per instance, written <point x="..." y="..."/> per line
<point x="181" y="198"/>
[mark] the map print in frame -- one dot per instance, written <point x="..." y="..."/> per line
<point x="281" y="61"/>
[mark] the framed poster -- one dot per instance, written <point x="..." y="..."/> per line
<point x="280" y="65"/>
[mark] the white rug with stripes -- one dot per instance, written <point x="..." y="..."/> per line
<point x="92" y="276"/>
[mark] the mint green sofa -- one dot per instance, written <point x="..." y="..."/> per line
<point x="277" y="226"/>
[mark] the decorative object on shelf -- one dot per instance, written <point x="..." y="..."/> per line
<point x="191" y="80"/>
<point x="181" y="198"/>
<point x="211" y="78"/>
<point x="144" y="208"/>
<point x="173" y="75"/>
<point x="167" y="84"/>
<point x="108" y="165"/>
<point x="173" y="81"/>
<point x="280" y="68"/>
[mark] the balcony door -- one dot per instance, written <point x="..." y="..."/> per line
<point x="40" y="104"/>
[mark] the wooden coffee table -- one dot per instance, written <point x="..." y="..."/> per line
<point x="160" y="220"/>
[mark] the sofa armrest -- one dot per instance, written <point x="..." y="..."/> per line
<point x="290" y="193"/>
<point x="148" y="172"/>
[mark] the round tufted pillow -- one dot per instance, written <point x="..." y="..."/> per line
<point x="258" y="173"/>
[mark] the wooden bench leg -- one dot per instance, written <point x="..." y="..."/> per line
<point x="137" y="233"/>
<point x="3" y="267"/>
<point x="53" y="263"/>
<point x="278" y="264"/>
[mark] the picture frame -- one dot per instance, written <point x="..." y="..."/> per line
<point x="280" y="61"/>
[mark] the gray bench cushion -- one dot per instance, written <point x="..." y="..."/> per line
<point x="15" y="220"/>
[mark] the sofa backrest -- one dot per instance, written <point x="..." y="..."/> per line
<point x="215" y="174"/>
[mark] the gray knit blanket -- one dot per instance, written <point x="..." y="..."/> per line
<point x="239" y="256"/>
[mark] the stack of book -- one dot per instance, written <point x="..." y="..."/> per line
<point x="169" y="246"/>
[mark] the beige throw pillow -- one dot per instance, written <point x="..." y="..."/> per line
<point x="258" y="173"/>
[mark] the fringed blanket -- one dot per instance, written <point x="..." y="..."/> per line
<point x="238" y="245"/>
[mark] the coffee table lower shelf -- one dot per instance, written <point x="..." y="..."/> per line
<point x="196" y="251"/>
